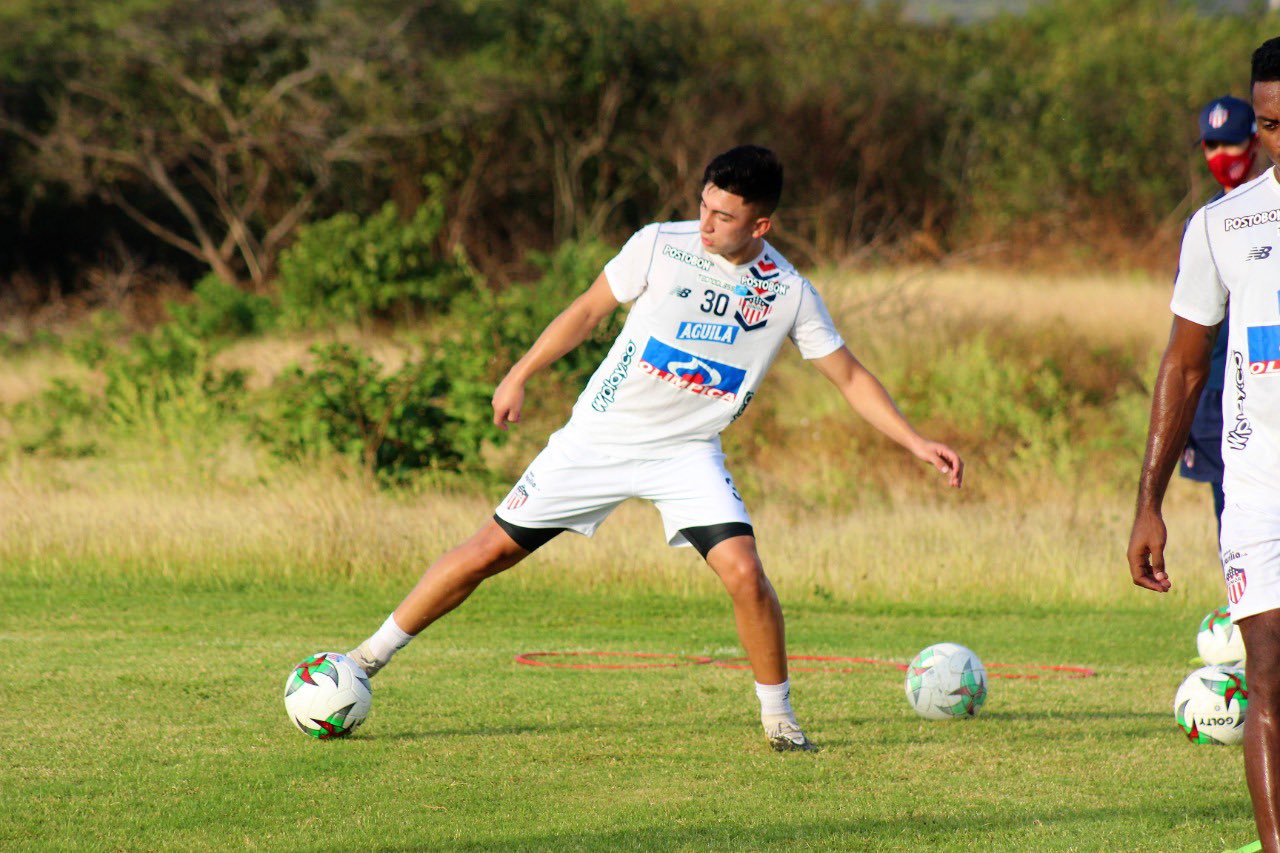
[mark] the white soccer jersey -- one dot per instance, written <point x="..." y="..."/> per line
<point x="1232" y="248"/>
<point x="696" y="344"/>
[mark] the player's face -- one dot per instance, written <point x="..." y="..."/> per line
<point x="1266" y="105"/>
<point x="729" y="225"/>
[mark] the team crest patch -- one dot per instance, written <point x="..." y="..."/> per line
<point x="518" y="496"/>
<point x="1236" y="582"/>
<point x="1264" y="349"/>
<point x="753" y="309"/>
<point x="1218" y="116"/>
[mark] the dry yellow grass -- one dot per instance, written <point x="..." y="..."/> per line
<point x="218" y="508"/>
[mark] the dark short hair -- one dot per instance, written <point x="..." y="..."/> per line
<point x="1266" y="62"/>
<point x="750" y="171"/>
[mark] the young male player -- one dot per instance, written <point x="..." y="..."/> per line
<point x="1230" y="249"/>
<point x="713" y="302"/>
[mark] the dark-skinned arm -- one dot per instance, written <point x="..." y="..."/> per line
<point x="1183" y="371"/>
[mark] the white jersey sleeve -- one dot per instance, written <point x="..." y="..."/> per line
<point x="1198" y="293"/>
<point x="628" y="272"/>
<point x="814" y="334"/>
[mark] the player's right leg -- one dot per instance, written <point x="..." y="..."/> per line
<point x="566" y="487"/>
<point x="443" y="586"/>
<point x="1262" y="723"/>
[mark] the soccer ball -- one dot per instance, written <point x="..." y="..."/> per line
<point x="946" y="681"/>
<point x="1219" y="641"/>
<point x="327" y="695"/>
<point x="1211" y="703"/>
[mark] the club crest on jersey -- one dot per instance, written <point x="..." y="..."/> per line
<point x="1236" y="583"/>
<point x="692" y="373"/>
<point x="716" y="333"/>
<point x="1264" y="350"/>
<point x="753" y="309"/>
<point x="518" y="496"/>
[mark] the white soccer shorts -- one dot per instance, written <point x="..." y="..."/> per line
<point x="1251" y="559"/>
<point x="571" y="485"/>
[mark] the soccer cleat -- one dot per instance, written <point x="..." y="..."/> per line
<point x="1252" y="847"/>
<point x="785" y="736"/>
<point x="365" y="661"/>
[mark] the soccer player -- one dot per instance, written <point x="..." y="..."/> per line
<point x="1229" y="250"/>
<point x="712" y="304"/>
<point x="1229" y="140"/>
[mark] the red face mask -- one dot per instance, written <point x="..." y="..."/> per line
<point x="1230" y="169"/>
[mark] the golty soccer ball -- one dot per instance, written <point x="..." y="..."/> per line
<point x="327" y="695"/>
<point x="1219" y="641"/>
<point x="1211" y="703"/>
<point x="946" y="681"/>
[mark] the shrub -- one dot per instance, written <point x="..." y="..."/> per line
<point x="380" y="268"/>
<point x="386" y="424"/>
<point x="221" y="310"/>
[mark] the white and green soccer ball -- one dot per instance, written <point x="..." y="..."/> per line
<point x="1211" y="703"/>
<point x="1219" y="640"/>
<point x="946" y="681"/>
<point x="327" y="695"/>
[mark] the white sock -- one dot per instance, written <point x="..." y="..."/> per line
<point x="775" y="701"/>
<point x="387" y="640"/>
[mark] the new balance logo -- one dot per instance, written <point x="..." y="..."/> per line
<point x="1258" y="253"/>
<point x="682" y="292"/>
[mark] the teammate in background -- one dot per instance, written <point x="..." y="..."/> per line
<point x="1229" y="140"/>
<point x="1228" y="251"/>
<point x="713" y="302"/>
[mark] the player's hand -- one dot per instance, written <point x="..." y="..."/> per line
<point x="944" y="459"/>
<point x="1146" y="551"/>
<point x="508" y="400"/>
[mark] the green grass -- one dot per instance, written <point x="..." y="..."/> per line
<point x="148" y="714"/>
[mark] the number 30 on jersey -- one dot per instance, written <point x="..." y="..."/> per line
<point x="715" y="303"/>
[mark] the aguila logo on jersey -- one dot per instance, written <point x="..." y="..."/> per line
<point x="1264" y="350"/>
<point x="692" y="373"/>
<point x="1234" y="223"/>
<point x="753" y="309"/>
<point x="1236" y="583"/>
<point x="716" y="333"/>
<point x="1258" y="253"/>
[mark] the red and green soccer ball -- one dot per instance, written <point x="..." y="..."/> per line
<point x="946" y="681"/>
<point x="1210" y="705"/>
<point x="1219" y="640"/>
<point x="327" y="695"/>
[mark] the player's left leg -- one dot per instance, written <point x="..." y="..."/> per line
<point x="1251" y="570"/>
<point x="761" y="630"/>
<point x="1262" y="723"/>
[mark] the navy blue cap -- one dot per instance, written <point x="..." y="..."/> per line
<point x="1227" y="119"/>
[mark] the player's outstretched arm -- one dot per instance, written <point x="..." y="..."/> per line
<point x="1183" y="371"/>
<point x="870" y="400"/>
<point x="562" y="334"/>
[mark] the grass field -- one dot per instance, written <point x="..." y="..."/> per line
<point x="156" y="588"/>
<point x="151" y="717"/>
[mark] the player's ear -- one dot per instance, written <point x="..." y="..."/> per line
<point x="762" y="226"/>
